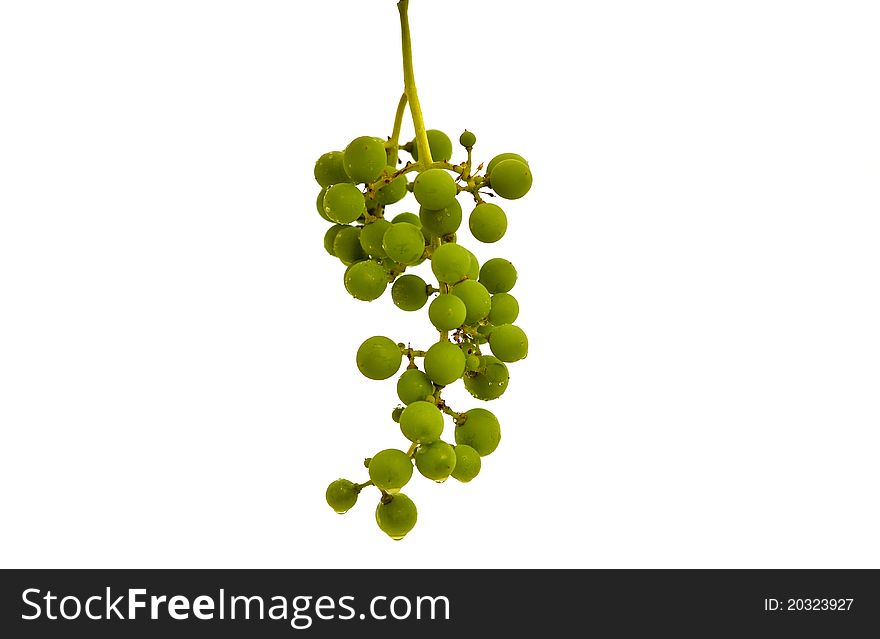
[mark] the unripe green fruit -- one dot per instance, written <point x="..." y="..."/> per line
<point x="341" y="495"/>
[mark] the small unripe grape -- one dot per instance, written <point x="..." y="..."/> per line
<point x="436" y="460"/>
<point x="509" y="343"/>
<point x="409" y="292"/>
<point x="488" y="222"/>
<point x="447" y="312"/>
<point x="421" y="422"/>
<point x="434" y="189"/>
<point x="476" y="298"/>
<point x="390" y="469"/>
<point x="501" y="157"/>
<point x="342" y="495"/>
<point x="490" y="382"/>
<point x="366" y="280"/>
<point x="444" y="363"/>
<point x="414" y="386"/>
<point x="397" y="516"/>
<point x="438" y="142"/>
<point x="404" y="243"/>
<point x="329" y="236"/>
<point x="371" y="238"/>
<point x="378" y="357"/>
<point x="395" y="416"/>
<point x="344" y="203"/>
<point x="450" y="262"/>
<point x="320" y="204"/>
<point x="472" y="363"/>
<point x="329" y="169"/>
<point x="511" y="179"/>
<point x="498" y="275"/>
<point x="480" y="430"/>
<point x="467" y="139"/>
<point x="347" y="245"/>
<point x="467" y="463"/>
<point x="505" y="309"/>
<point x="364" y="159"/>
<point x="443" y="221"/>
<point x="395" y="190"/>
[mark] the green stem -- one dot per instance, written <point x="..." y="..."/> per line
<point x="409" y="83"/>
<point x="394" y="142"/>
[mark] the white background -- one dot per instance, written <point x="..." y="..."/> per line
<point x="698" y="266"/>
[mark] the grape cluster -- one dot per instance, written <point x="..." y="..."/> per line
<point x="470" y="306"/>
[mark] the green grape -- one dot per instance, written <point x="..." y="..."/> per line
<point x="450" y="262"/>
<point x="434" y="189"/>
<point x="485" y="329"/>
<point x="467" y="139"/>
<point x="480" y="430"/>
<point x="364" y="159"/>
<point x="396" y="413"/>
<point x="344" y="203"/>
<point x="421" y="422"/>
<point x="347" y="245"/>
<point x="409" y="292"/>
<point x="435" y="461"/>
<point x="320" y="204"/>
<point x="474" y="269"/>
<point x="414" y="386"/>
<point x="378" y="357"/>
<point x="329" y="236"/>
<point x="476" y="298"/>
<point x="366" y="280"/>
<point x="505" y="309"/>
<point x="390" y="469"/>
<point x="509" y="343"/>
<point x="498" y="275"/>
<point x="489" y="383"/>
<point x="342" y="495"/>
<point x="500" y="158"/>
<point x="444" y="363"/>
<point x="409" y="218"/>
<point x="471" y="363"/>
<point x="329" y="169"/>
<point x="442" y="221"/>
<point x="447" y="312"/>
<point x="404" y="243"/>
<point x="371" y="238"/>
<point x="396" y="516"/>
<point x="438" y="142"/>
<point x="395" y="190"/>
<point x="511" y="179"/>
<point x="467" y="463"/>
<point x="488" y="223"/>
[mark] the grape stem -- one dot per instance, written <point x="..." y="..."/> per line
<point x="409" y="83"/>
<point x="359" y="487"/>
<point x="394" y="143"/>
<point x="412" y="450"/>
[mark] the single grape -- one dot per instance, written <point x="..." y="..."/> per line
<point x="409" y="218"/>
<point x="436" y="460"/>
<point x="443" y="221"/>
<point x="450" y="262"/>
<point x="342" y="495"/>
<point x="347" y="245"/>
<point x="434" y="189"/>
<point x="329" y="169"/>
<point x="476" y="298"/>
<point x="488" y="222"/>
<point x="509" y="343"/>
<point x="490" y="381"/>
<point x="390" y="469"/>
<point x="485" y="329"/>
<point x="320" y="204"/>
<point x="510" y="179"/>
<point x="378" y="357"/>
<point x="438" y="142"/>
<point x="404" y="243"/>
<point x="344" y="203"/>
<point x="498" y="275"/>
<point x="364" y="159"/>
<point x="421" y="422"/>
<point x="467" y="463"/>
<point x="414" y="386"/>
<point x="409" y="292"/>
<point x="444" y="363"/>
<point x="501" y="157"/>
<point x="329" y="236"/>
<point x="480" y="430"/>
<point x="366" y="280"/>
<point x="394" y="191"/>
<point x="371" y="238"/>
<point x="474" y="269"/>
<point x="396" y="516"/>
<point x="447" y="312"/>
<point x="395" y="415"/>
<point x="505" y="309"/>
<point x="467" y="139"/>
<point x="471" y="363"/>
